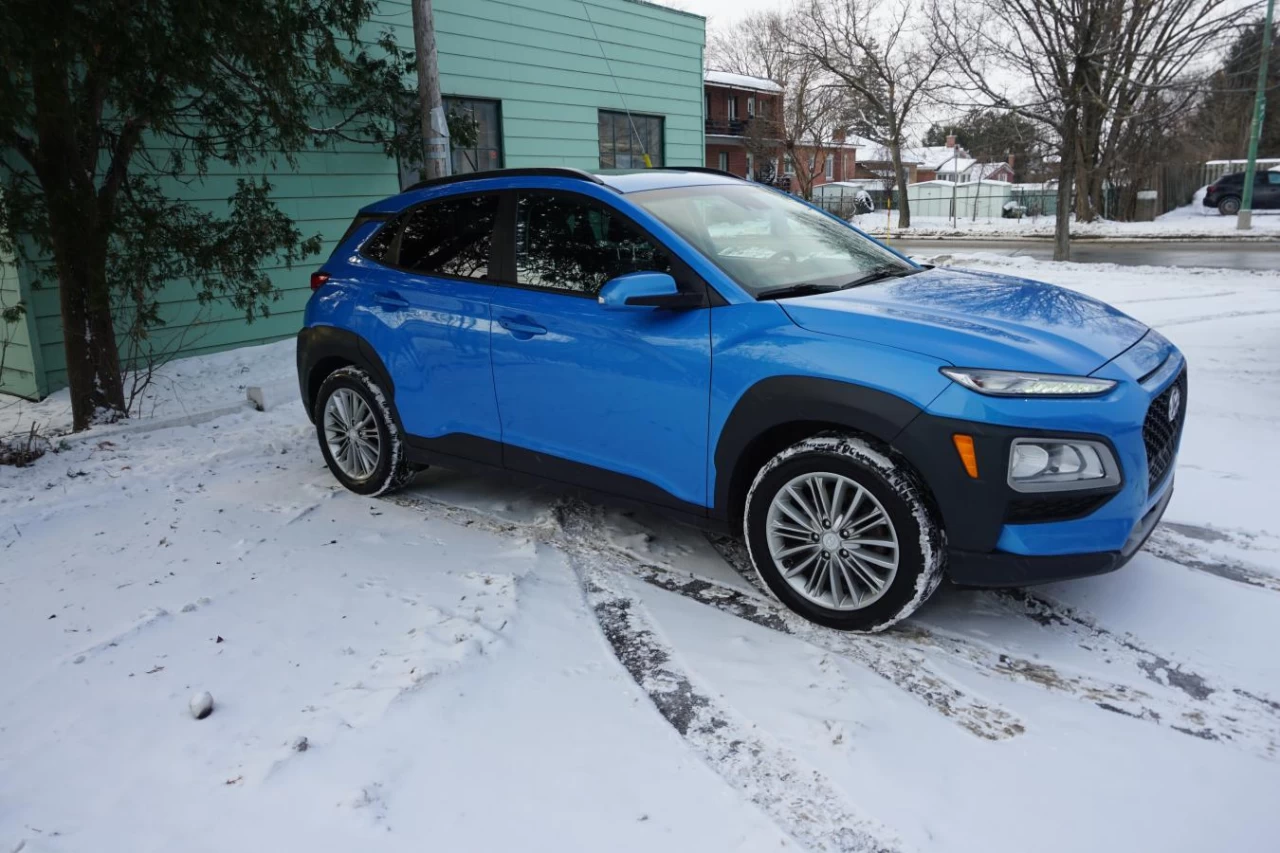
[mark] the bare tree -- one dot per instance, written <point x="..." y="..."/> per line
<point x="885" y="59"/>
<point x="1082" y="69"/>
<point x="760" y="45"/>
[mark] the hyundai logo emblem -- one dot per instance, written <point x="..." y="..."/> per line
<point x="1175" y="403"/>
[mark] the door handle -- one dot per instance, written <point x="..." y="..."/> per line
<point x="521" y="327"/>
<point x="390" y="299"/>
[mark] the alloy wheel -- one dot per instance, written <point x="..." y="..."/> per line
<point x="832" y="541"/>
<point x="351" y="433"/>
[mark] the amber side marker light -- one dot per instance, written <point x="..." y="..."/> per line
<point x="964" y="446"/>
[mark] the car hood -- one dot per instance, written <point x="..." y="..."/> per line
<point x="975" y="319"/>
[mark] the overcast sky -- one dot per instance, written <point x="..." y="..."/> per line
<point x="721" y="12"/>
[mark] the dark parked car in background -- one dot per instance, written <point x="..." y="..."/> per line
<point x="1226" y="192"/>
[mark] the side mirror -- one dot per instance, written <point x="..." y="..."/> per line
<point x="647" y="290"/>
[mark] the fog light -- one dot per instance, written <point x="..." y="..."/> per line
<point x="1050" y="465"/>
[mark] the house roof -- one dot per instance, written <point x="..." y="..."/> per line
<point x="955" y="165"/>
<point x="931" y="157"/>
<point x="981" y="171"/>
<point x="740" y="81"/>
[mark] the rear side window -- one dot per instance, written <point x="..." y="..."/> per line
<point x="566" y="243"/>
<point x="377" y="246"/>
<point x="453" y="236"/>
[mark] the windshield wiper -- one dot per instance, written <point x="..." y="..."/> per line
<point x="880" y="273"/>
<point x="804" y="288"/>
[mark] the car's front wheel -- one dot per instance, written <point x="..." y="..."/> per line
<point x="359" y="437"/>
<point x="1229" y="206"/>
<point x="843" y="534"/>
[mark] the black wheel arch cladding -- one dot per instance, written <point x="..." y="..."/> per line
<point x="329" y="347"/>
<point x="781" y="400"/>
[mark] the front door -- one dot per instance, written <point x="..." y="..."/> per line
<point x="615" y="400"/>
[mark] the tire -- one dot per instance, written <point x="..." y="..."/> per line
<point x="1229" y="206"/>
<point x="389" y="470"/>
<point x="888" y="485"/>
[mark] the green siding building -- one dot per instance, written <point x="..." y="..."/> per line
<point x="548" y="82"/>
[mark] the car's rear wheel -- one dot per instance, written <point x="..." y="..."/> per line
<point x="843" y="533"/>
<point x="1229" y="206"/>
<point x="359" y="437"/>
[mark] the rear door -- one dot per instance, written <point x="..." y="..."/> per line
<point x="1266" y="193"/>
<point x="427" y="315"/>
<point x="615" y="400"/>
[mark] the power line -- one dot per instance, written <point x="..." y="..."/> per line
<point x="621" y="97"/>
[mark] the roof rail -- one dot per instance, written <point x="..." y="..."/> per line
<point x="527" y="172"/>
<point x="703" y="169"/>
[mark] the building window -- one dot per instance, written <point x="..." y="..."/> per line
<point x="751" y="167"/>
<point x="732" y="101"/>
<point x="625" y="140"/>
<point x="751" y="106"/>
<point x="830" y="170"/>
<point x="486" y="119"/>
<point x="722" y="162"/>
<point x="789" y="168"/>
<point x="572" y="244"/>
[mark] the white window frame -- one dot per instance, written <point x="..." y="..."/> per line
<point x="751" y="106"/>
<point x="829" y="170"/>
<point x="722" y="161"/>
<point x="732" y="102"/>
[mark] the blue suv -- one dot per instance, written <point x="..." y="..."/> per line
<point x="719" y="350"/>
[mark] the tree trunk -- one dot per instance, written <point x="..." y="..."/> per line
<point x="900" y="176"/>
<point x="1066" y="171"/>
<point x="88" y="332"/>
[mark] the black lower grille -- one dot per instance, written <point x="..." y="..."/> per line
<point x="1057" y="507"/>
<point x="1162" y="427"/>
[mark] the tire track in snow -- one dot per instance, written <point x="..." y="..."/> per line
<point x="799" y="799"/>
<point x="1176" y="547"/>
<point x="574" y="529"/>
<point x="1191" y="705"/>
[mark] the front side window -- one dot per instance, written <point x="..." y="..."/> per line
<point x="1274" y="178"/>
<point x="453" y="236"/>
<point x="573" y="244"/>
<point x="624" y="140"/>
<point x="482" y="120"/>
<point x="765" y="239"/>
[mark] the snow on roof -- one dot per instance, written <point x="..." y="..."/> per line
<point x="986" y="170"/>
<point x="1241" y="161"/>
<point x="955" y="165"/>
<point x="930" y="157"/>
<point x="740" y="81"/>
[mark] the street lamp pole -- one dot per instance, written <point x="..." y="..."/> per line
<point x="1244" y="219"/>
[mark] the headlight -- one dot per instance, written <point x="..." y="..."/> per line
<point x="1060" y="464"/>
<point x="1010" y="383"/>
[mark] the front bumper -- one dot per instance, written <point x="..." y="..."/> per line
<point x="997" y="536"/>
<point x="1004" y="569"/>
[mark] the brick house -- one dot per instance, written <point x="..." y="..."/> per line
<point x="741" y="124"/>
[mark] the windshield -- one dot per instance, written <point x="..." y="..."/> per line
<point x="765" y="240"/>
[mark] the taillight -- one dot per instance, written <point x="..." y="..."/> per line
<point x="318" y="279"/>
<point x="1213" y="188"/>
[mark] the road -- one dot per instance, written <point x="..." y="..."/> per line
<point x="1170" y="253"/>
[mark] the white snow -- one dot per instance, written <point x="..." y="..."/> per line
<point x="1190" y="222"/>
<point x="741" y="81"/>
<point x="448" y="653"/>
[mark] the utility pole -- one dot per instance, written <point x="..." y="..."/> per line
<point x="1244" y="219"/>
<point x="435" y="126"/>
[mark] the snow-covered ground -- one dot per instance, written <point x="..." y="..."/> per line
<point x="1190" y="222"/>
<point x="482" y="668"/>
